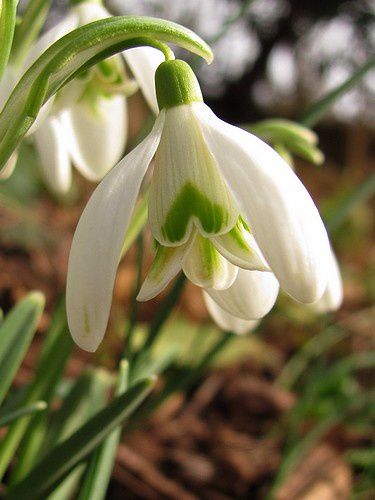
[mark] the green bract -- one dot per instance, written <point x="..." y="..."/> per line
<point x="77" y="51"/>
<point x="176" y="84"/>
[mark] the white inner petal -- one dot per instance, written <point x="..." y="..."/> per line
<point x="206" y="267"/>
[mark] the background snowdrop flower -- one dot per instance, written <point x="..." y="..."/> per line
<point x="332" y="297"/>
<point x="86" y="123"/>
<point x="220" y="201"/>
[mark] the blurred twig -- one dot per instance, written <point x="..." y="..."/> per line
<point x="314" y="112"/>
<point x="360" y="193"/>
<point x="245" y="4"/>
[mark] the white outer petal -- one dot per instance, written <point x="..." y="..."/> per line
<point x="251" y="296"/>
<point x="96" y="139"/>
<point x="98" y="240"/>
<point x="333" y="296"/>
<point x="227" y="321"/>
<point x="9" y="167"/>
<point x="54" y="157"/>
<point x="282" y="216"/>
<point x="143" y="62"/>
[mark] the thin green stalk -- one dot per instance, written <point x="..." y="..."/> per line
<point x="359" y="194"/>
<point x="56" y="351"/>
<point x="181" y="383"/>
<point x="29" y="28"/>
<point x="64" y="457"/>
<point x="8" y="10"/>
<point x="292" y="455"/>
<point x="314" y="112"/>
<point x="8" y="418"/>
<point x="164" y="311"/>
<point x="95" y="399"/>
<point x="137" y="223"/>
<point x="312" y="349"/>
<point x="245" y="4"/>
<point x="101" y="463"/>
<point x="127" y="352"/>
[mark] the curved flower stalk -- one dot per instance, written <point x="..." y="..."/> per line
<point x="220" y="201"/>
<point x="87" y="122"/>
<point x="74" y="54"/>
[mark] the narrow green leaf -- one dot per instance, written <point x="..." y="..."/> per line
<point x="312" y="115"/>
<point x="360" y="193"/>
<point x="77" y="51"/>
<point x="8" y="418"/>
<point x="164" y="311"/>
<point x="16" y="333"/>
<point x="93" y="400"/>
<point x="8" y="10"/>
<point x="148" y="364"/>
<point x="55" y="353"/>
<point x="101" y="463"/>
<point x="312" y="349"/>
<point x="29" y="28"/>
<point x="65" y="456"/>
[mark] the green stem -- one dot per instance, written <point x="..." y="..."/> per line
<point x="245" y="4"/>
<point x="182" y="383"/>
<point x="311" y="116"/>
<point x="359" y="194"/>
<point x="8" y="418"/>
<point x="8" y="10"/>
<point x="29" y="28"/>
<point x="127" y="353"/>
<point x="164" y="311"/>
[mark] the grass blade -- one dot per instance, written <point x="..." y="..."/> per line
<point x="65" y="456"/>
<point x="55" y="353"/>
<point x="7" y="25"/>
<point x="92" y="399"/>
<point x="16" y="333"/>
<point x="100" y="466"/>
<point x="29" y="28"/>
<point x="311" y="116"/>
<point x="8" y="418"/>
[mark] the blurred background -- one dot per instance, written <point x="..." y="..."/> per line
<point x="286" y="412"/>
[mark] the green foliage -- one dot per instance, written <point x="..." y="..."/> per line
<point x="8" y="10"/>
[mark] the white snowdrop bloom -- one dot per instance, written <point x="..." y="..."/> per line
<point x="333" y="295"/>
<point x="86" y="123"/>
<point x="227" y="321"/>
<point x="220" y="201"/>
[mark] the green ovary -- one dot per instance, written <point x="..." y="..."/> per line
<point x="191" y="202"/>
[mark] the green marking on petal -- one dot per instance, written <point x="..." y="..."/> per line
<point x="86" y="322"/>
<point x="193" y="203"/>
<point x="210" y="257"/>
<point x="163" y="257"/>
<point x="206" y="267"/>
<point x="240" y="248"/>
<point x="237" y="235"/>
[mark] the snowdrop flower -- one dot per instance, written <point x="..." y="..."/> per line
<point x="332" y="297"/>
<point x="86" y="123"/>
<point x="222" y="205"/>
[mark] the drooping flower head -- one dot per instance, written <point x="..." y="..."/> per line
<point x="223" y="207"/>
